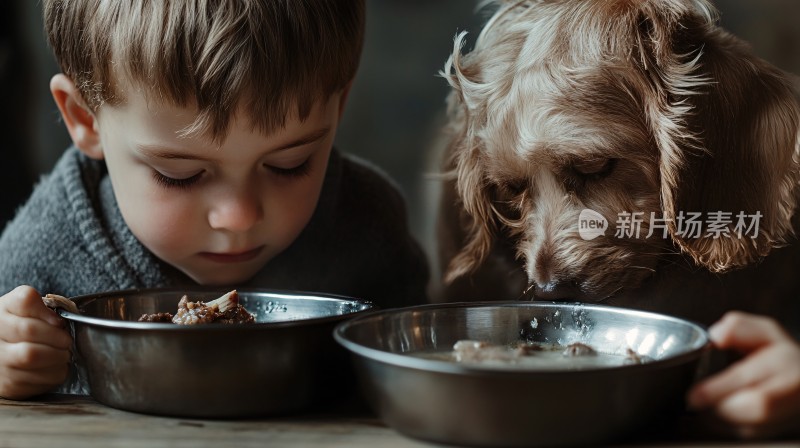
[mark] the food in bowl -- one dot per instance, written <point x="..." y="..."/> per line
<point x="536" y="356"/>
<point x="224" y="310"/>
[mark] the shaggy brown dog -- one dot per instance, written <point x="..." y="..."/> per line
<point x="640" y="113"/>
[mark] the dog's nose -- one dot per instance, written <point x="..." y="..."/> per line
<point x="558" y="290"/>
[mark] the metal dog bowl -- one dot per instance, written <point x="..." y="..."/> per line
<point x="285" y="362"/>
<point x="480" y="405"/>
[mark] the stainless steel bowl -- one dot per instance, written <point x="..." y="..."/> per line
<point x="474" y="405"/>
<point x="287" y="361"/>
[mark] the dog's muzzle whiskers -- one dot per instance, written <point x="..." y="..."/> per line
<point x="527" y="293"/>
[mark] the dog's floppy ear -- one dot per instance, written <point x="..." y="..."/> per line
<point x="464" y="165"/>
<point x="726" y="123"/>
<point x="477" y="221"/>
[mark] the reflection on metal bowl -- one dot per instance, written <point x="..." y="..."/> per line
<point x="285" y="362"/>
<point x="473" y="405"/>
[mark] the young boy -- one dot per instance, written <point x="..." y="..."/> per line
<point x="203" y="134"/>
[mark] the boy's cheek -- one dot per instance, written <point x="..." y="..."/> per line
<point x="159" y="226"/>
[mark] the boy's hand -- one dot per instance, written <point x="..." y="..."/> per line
<point x="34" y="345"/>
<point x="758" y="396"/>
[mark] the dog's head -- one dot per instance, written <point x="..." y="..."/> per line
<point x="643" y="111"/>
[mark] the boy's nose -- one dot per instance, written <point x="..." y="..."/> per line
<point x="236" y="213"/>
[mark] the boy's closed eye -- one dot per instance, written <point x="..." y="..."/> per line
<point x="177" y="181"/>
<point x="296" y="171"/>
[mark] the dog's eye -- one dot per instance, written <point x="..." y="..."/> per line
<point x="595" y="169"/>
<point x="514" y="187"/>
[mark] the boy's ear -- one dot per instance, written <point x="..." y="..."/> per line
<point x="81" y="122"/>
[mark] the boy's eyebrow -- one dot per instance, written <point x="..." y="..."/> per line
<point x="160" y="152"/>
<point x="306" y="139"/>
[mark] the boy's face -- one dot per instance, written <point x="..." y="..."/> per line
<point x="217" y="212"/>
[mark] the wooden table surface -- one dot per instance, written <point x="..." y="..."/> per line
<point x="77" y="421"/>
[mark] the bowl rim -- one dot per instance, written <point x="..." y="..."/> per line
<point x="405" y="360"/>
<point x="80" y="300"/>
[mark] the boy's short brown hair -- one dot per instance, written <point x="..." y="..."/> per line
<point x="265" y="56"/>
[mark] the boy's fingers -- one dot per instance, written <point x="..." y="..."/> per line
<point x="25" y="301"/>
<point x="24" y="329"/>
<point x="21" y="384"/>
<point x="743" y="407"/>
<point x="740" y="375"/>
<point x="745" y="332"/>
<point x="24" y="391"/>
<point x="51" y="376"/>
<point x="759" y="390"/>
<point x="780" y="394"/>
<point x="767" y="408"/>
<point x="30" y="356"/>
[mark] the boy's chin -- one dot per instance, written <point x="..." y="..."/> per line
<point x="219" y="278"/>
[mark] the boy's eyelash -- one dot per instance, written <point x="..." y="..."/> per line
<point x="171" y="182"/>
<point x="299" y="170"/>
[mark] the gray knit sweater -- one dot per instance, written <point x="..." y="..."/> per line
<point x="71" y="239"/>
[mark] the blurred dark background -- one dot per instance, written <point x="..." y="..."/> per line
<point x="394" y="111"/>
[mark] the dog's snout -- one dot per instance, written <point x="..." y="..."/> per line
<point x="557" y="290"/>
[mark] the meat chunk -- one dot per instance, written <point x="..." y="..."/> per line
<point x="55" y="301"/>
<point x="631" y="357"/>
<point x="478" y="351"/>
<point x="224" y="310"/>
<point x="467" y="350"/>
<point x="192" y="313"/>
<point x="579" y="349"/>
<point x="157" y="317"/>
<point x="527" y="349"/>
